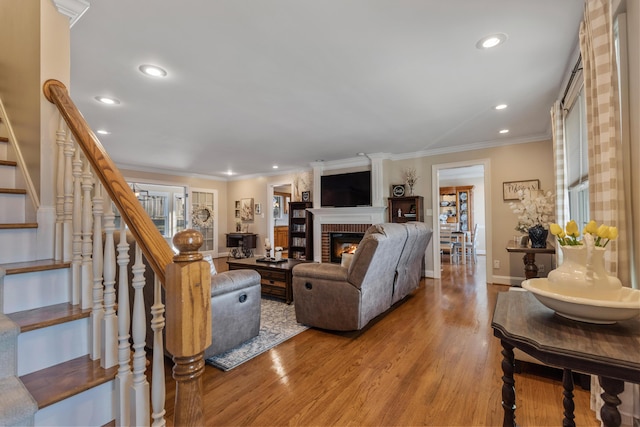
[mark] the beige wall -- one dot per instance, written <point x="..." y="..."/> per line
<point x="508" y="163"/>
<point x="36" y="39"/>
<point x="20" y="83"/>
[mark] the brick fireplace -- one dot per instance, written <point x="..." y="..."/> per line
<point x="341" y="220"/>
<point x="328" y="229"/>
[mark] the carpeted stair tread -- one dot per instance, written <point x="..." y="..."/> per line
<point x="13" y="191"/>
<point x="17" y="407"/>
<point x="43" y="317"/>
<point x="19" y="225"/>
<point x="8" y="163"/>
<point x="32" y="266"/>
<point x="56" y="383"/>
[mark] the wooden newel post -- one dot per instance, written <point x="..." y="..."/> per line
<point x="188" y="313"/>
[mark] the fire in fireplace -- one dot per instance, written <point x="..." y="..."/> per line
<point x="343" y="243"/>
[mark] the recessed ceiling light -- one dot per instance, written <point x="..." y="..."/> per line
<point x="500" y="106"/>
<point x="107" y="100"/>
<point x="152" y="70"/>
<point x="504" y="131"/>
<point x="275" y="166"/>
<point x="229" y="172"/>
<point x="361" y="154"/>
<point x="103" y="132"/>
<point x="492" y="40"/>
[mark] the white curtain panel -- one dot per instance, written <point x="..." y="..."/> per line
<point x="606" y="184"/>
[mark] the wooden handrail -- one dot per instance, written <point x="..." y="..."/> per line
<point x="153" y="245"/>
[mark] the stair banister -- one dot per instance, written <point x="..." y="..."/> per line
<point x="153" y="245"/>
<point x="185" y="276"/>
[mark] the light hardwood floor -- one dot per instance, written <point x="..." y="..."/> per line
<point x="431" y="361"/>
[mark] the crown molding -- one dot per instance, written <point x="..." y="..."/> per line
<point x="471" y="147"/>
<point x="73" y="9"/>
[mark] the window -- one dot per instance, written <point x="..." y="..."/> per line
<point x="576" y="155"/>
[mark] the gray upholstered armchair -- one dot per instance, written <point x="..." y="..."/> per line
<point x="235" y="305"/>
<point x="385" y="268"/>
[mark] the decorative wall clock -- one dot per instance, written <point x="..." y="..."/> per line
<point x="397" y="190"/>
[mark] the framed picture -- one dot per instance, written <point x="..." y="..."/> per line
<point x="246" y="210"/>
<point x="306" y="196"/>
<point x="510" y="189"/>
<point x="258" y="208"/>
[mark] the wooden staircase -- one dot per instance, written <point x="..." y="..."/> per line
<point x="34" y="297"/>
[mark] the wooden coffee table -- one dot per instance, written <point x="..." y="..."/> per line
<point x="276" y="277"/>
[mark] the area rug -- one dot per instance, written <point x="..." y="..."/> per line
<point x="277" y="324"/>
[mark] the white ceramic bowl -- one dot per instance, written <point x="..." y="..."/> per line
<point x="586" y="309"/>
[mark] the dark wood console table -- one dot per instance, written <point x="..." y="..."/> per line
<point x="243" y="243"/>
<point x="608" y="351"/>
<point x="530" y="267"/>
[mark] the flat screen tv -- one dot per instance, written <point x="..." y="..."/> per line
<point x="346" y="189"/>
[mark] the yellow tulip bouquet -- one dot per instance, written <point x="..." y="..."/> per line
<point x="602" y="234"/>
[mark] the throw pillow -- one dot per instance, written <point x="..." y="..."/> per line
<point x="209" y="259"/>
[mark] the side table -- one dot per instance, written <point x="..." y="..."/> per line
<point x="608" y="351"/>
<point x="530" y="267"/>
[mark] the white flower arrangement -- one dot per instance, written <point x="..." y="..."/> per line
<point x="535" y="208"/>
<point x="202" y="216"/>
<point x="410" y="176"/>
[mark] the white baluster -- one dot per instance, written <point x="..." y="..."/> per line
<point x="86" y="285"/>
<point x="157" y="374"/>
<point x="97" y="312"/>
<point x="124" y="376"/>
<point x="76" y="221"/>
<point x="59" y="239"/>
<point x="67" y="230"/>
<point x="109" y="355"/>
<point x="140" y="407"/>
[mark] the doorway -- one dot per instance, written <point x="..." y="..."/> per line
<point x="457" y="174"/>
<point x="279" y="197"/>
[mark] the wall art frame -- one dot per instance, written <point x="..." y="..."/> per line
<point x="246" y="210"/>
<point x="510" y="188"/>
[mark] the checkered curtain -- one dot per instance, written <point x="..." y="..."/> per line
<point x="561" y="187"/>
<point x="606" y="184"/>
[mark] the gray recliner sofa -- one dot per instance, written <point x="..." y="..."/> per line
<point x="385" y="268"/>
<point x="235" y="305"/>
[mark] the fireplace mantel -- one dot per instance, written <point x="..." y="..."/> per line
<point x="356" y="215"/>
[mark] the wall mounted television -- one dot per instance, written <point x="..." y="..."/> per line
<point x="346" y="189"/>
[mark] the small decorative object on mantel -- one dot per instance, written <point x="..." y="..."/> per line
<point x="410" y="178"/>
<point x="535" y="212"/>
<point x="306" y="196"/>
<point x="202" y="216"/>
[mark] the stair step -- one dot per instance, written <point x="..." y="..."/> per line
<point x="34" y="284"/>
<point x="67" y="379"/>
<point x="33" y="266"/>
<point x="8" y="163"/>
<point x="4" y="139"/>
<point x="44" y="317"/>
<point x="18" y="225"/>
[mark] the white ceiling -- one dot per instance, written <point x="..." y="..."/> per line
<point x="255" y="83"/>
